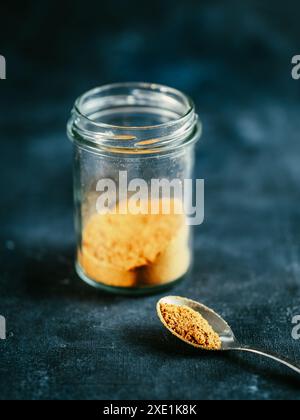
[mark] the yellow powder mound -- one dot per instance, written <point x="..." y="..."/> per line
<point x="171" y="264"/>
<point x="127" y="250"/>
<point x="191" y="326"/>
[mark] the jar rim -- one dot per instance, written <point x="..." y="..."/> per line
<point x="150" y="86"/>
<point x="134" y="100"/>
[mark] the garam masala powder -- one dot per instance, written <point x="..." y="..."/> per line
<point x="130" y="250"/>
<point x="191" y="326"/>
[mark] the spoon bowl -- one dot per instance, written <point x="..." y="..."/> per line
<point x="218" y="324"/>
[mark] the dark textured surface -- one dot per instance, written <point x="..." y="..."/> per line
<point x="67" y="340"/>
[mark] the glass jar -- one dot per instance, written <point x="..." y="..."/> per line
<point x="129" y="140"/>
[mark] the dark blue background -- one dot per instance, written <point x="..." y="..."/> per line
<point x="234" y="58"/>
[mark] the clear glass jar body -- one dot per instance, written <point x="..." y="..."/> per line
<point x="129" y="138"/>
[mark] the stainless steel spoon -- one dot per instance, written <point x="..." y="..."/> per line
<point x="229" y="341"/>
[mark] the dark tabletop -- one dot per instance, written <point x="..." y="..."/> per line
<point x="65" y="339"/>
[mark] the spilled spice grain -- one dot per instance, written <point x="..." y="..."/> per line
<point x="191" y="326"/>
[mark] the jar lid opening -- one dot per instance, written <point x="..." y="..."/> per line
<point x="134" y="118"/>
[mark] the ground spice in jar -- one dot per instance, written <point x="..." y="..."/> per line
<point x="130" y="250"/>
<point x="191" y="326"/>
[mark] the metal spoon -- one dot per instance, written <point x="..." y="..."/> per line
<point x="228" y="339"/>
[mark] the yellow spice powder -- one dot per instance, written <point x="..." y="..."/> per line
<point x="128" y="250"/>
<point x="191" y="326"/>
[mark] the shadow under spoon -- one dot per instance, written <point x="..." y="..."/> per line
<point x="220" y="326"/>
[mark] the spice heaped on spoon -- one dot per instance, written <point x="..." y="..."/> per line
<point x="190" y="326"/>
<point x="199" y="326"/>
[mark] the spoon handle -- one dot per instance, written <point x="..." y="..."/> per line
<point x="272" y="356"/>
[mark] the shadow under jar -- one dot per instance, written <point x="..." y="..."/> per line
<point x="131" y="142"/>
